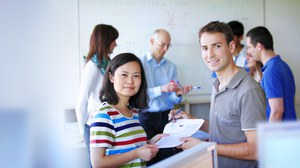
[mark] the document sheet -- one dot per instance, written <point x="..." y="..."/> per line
<point x="176" y="130"/>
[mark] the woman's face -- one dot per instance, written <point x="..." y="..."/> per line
<point x="127" y="79"/>
<point x="112" y="46"/>
<point x="251" y="62"/>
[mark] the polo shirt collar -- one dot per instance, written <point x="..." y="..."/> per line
<point x="235" y="81"/>
<point x="270" y="61"/>
<point x="150" y="58"/>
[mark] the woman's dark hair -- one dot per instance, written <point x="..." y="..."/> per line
<point x="108" y="93"/>
<point x="101" y="38"/>
<point x="217" y="27"/>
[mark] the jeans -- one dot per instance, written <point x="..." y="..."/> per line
<point x="87" y="141"/>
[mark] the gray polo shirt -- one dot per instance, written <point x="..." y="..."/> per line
<point x="236" y="108"/>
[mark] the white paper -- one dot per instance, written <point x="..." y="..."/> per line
<point x="176" y="130"/>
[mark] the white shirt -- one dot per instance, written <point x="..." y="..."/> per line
<point x="88" y="100"/>
<point x="240" y="59"/>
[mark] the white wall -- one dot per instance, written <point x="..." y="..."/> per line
<point x="40" y="71"/>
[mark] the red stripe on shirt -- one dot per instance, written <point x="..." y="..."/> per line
<point x="142" y="139"/>
<point x="101" y="141"/>
<point x="111" y="113"/>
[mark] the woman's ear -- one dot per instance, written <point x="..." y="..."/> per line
<point x="111" y="77"/>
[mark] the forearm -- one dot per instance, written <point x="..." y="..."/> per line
<point x="237" y="151"/>
<point x="275" y="116"/>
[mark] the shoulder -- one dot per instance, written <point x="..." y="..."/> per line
<point x="90" y="67"/>
<point x="169" y="63"/>
<point x="103" y="111"/>
<point x="248" y="84"/>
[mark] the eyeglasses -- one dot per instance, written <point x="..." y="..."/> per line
<point x="162" y="44"/>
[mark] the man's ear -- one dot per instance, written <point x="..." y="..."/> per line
<point x="231" y="47"/>
<point x="151" y="40"/>
<point x="111" y="77"/>
<point x="259" y="46"/>
<point x="241" y="38"/>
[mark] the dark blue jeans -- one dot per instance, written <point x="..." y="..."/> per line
<point x="87" y="141"/>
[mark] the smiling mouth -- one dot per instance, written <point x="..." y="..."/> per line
<point x="131" y="88"/>
<point x="213" y="62"/>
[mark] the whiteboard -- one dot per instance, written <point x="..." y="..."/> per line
<point x="137" y="19"/>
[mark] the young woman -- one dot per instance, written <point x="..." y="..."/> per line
<point x="117" y="138"/>
<point x="254" y="68"/>
<point x="102" y="44"/>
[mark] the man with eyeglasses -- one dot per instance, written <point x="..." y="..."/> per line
<point x="164" y="89"/>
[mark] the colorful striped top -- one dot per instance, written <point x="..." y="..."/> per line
<point x="117" y="133"/>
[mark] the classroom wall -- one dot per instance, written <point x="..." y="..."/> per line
<point x="181" y="18"/>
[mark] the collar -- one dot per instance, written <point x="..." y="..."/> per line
<point x="235" y="80"/>
<point x="150" y="58"/>
<point x="103" y="65"/>
<point x="270" y="61"/>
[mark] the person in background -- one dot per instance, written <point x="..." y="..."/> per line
<point x="164" y="90"/>
<point x="278" y="80"/>
<point x="237" y="102"/>
<point x="117" y="138"/>
<point x="102" y="44"/>
<point x="254" y="68"/>
<point x="239" y="54"/>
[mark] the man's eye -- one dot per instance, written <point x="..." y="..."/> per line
<point x="218" y="46"/>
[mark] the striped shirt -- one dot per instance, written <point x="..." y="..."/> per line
<point x="117" y="133"/>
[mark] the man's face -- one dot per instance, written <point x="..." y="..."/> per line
<point x="252" y="50"/>
<point x="216" y="53"/>
<point x="160" y="45"/>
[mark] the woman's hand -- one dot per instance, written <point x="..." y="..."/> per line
<point x="156" y="138"/>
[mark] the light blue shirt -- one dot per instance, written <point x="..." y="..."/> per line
<point x="158" y="74"/>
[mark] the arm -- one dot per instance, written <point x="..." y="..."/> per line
<point x="277" y="109"/>
<point x="245" y="150"/>
<point x="99" y="159"/>
<point x="184" y="115"/>
<point x="88" y="82"/>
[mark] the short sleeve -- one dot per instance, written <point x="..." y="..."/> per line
<point x="253" y="109"/>
<point x="272" y="84"/>
<point x="102" y="132"/>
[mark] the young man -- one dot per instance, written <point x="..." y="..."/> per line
<point x="278" y="80"/>
<point x="239" y="53"/>
<point x="237" y="102"/>
<point x="163" y="89"/>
